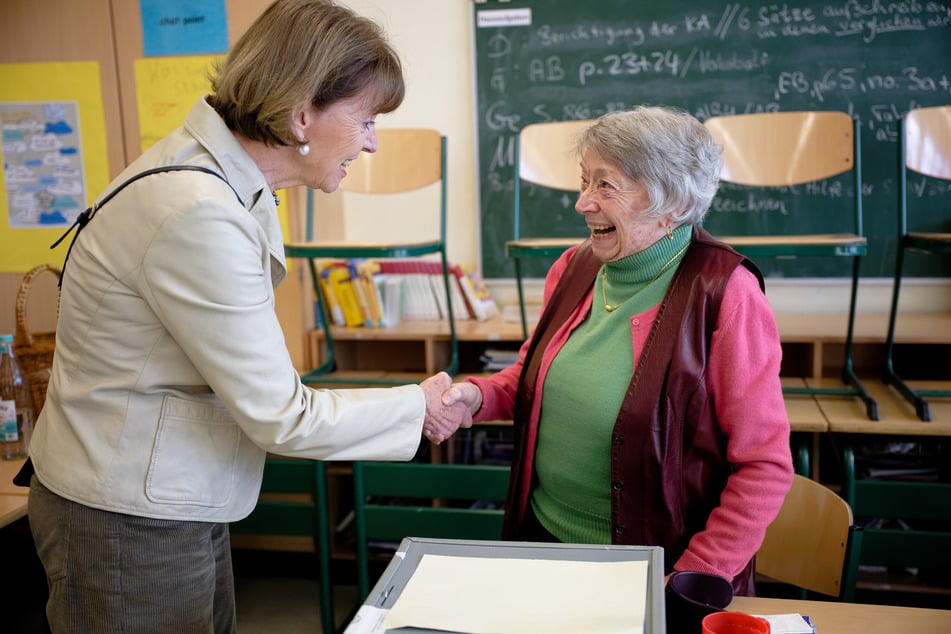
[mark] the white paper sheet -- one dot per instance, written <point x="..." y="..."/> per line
<point x="521" y="596"/>
<point x="787" y="624"/>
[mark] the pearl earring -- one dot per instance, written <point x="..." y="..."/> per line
<point x="304" y="149"/>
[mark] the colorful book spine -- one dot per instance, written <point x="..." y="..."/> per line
<point x="366" y="271"/>
<point x="334" y="311"/>
<point x="477" y="295"/>
<point x="338" y="278"/>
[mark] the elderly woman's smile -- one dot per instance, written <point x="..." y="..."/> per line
<point x="601" y="231"/>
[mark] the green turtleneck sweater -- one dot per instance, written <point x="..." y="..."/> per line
<point x="583" y="392"/>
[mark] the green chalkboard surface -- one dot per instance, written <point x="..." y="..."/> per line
<point x="553" y="60"/>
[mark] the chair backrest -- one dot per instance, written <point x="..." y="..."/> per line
<point x="545" y="156"/>
<point x="407" y="159"/>
<point x="927" y="141"/>
<point x="393" y="500"/>
<point x="809" y="544"/>
<point x="293" y="503"/>
<point x="784" y="148"/>
<point x="777" y="149"/>
<point x="924" y="146"/>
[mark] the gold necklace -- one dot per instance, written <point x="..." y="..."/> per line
<point x="604" y="280"/>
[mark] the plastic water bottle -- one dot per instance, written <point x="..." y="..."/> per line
<point x="16" y="406"/>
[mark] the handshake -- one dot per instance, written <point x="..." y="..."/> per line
<point x="449" y="406"/>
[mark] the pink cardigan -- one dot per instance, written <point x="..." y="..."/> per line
<point x="743" y="375"/>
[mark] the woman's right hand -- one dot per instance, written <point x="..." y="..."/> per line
<point x="464" y="392"/>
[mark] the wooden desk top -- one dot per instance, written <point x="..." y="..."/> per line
<point x="12" y="508"/>
<point x="847" y="414"/>
<point x="869" y="327"/>
<point x="8" y="469"/>
<point x="803" y="409"/>
<point x="13" y="499"/>
<point x="832" y="617"/>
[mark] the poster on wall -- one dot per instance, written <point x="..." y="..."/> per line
<point x="42" y="163"/>
<point x="54" y="156"/>
<point x="166" y="89"/>
<point x="183" y="27"/>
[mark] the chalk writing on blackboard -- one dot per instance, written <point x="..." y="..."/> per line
<point x="872" y="60"/>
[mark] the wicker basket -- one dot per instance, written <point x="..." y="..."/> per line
<point x="34" y="350"/>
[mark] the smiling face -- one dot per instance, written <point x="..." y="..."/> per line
<point x="613" y="207"/>
<point x="336" y="134"/>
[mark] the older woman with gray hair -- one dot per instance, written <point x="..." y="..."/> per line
<point x="647" y="402"/>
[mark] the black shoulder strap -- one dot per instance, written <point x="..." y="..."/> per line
<point x="83" y="219"/>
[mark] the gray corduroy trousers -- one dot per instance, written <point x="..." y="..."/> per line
<point x="110" y="572"/>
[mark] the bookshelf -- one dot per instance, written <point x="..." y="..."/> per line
<point x="416" y="349"/>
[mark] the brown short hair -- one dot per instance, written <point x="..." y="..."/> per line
<point x="300" y="52"/>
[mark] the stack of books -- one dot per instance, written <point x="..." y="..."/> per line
<point x="384" y="293"/>
<point x="496" y="359"/>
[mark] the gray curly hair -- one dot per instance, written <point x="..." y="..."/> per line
<point x="666" y="150"/>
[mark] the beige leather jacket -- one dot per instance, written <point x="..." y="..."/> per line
<point x="171" y="378"/>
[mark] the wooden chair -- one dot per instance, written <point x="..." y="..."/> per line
<point x="294" y="503"/>
<point x="812" y="544"/>
<point x="393" y="500"/>
<point x="408" y="159"/>
<point x="544" y="157"/>
<point x="907" y="523"/>
<point x="924" y="147"/>
<point x="793" y="148"/>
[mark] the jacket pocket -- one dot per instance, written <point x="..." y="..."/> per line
<point x="195" y="453"/>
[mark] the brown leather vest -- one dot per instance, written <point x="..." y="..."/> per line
<point x="668" y="464"/>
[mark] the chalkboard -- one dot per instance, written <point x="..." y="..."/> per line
<point x="553" y="60"/>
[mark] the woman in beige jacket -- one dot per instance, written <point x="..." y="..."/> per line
<point x="171" y="379"/>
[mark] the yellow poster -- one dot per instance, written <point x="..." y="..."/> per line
<point x="166" y="90"/>
<point x="54" y="155"/>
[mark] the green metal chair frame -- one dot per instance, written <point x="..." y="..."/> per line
<point x="813" y="543"/>
<point x="924" y="146"/>
<point x="792" y="148"/>
<point x="900" y="500"/>
<point x="296" y="518"/>
<point x="393" y="500"/>
<point x="800" y="443"/>
<point x="408" y="159"/>
<point x="544" y="157"/>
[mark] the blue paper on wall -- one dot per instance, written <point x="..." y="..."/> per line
<point x="184" y="27"/>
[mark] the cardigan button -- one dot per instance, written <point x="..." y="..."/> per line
<point x="618" y="439"/>
<point x="619" y="530"/>
<point x="617" y="485"/>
